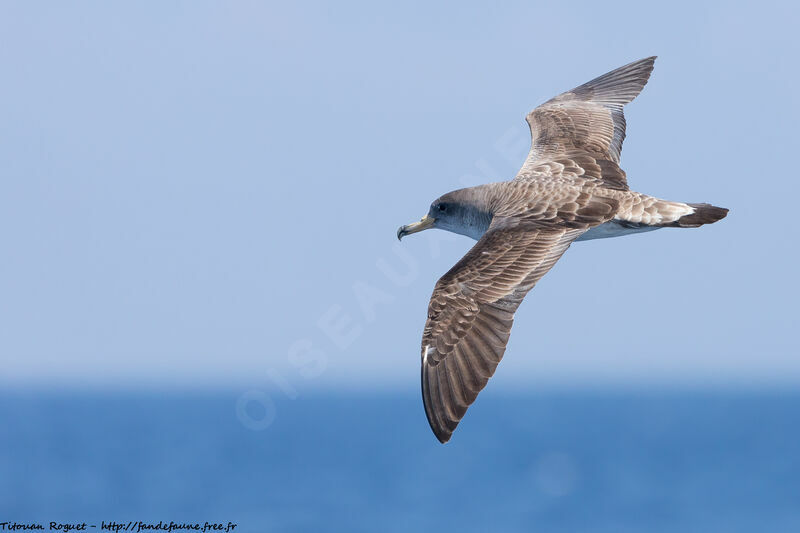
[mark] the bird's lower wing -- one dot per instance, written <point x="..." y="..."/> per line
<point x="471" y="312"/>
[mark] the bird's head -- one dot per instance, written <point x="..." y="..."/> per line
<point x="458" y="211"/>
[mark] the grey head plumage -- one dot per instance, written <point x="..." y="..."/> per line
<point x="463" y="211"/>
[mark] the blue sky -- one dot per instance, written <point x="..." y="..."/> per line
<point x="207" y="193"/>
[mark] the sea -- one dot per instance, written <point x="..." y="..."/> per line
<point x="558" y="461"/>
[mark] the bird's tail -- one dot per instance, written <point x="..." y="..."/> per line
<point x="701" y="214"/>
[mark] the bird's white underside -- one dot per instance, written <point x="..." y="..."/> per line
<point x="613" y="228"/>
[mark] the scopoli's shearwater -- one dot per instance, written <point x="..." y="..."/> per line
<point x="570" y="188"/>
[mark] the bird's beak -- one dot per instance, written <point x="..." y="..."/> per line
<point x="425" y="223"/>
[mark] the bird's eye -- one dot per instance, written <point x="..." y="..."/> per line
<point x="442" y="207"/>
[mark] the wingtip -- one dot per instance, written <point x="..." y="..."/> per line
<point x="646" y="64"/>
<point x="443" y="438"/>
<point x="616" y="87"/>
<point x="441" y="432"/>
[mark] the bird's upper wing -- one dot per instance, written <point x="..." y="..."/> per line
<point x="586" y="122"/>
<point x="472" y="307"/>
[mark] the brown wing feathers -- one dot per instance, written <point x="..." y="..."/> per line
<point x="588" y="119"/>
<point x="471" y="313"/>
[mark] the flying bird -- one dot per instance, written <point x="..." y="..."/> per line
<point x="570" y="188"/>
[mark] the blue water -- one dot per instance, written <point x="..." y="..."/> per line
<point x="587" y="462"/>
